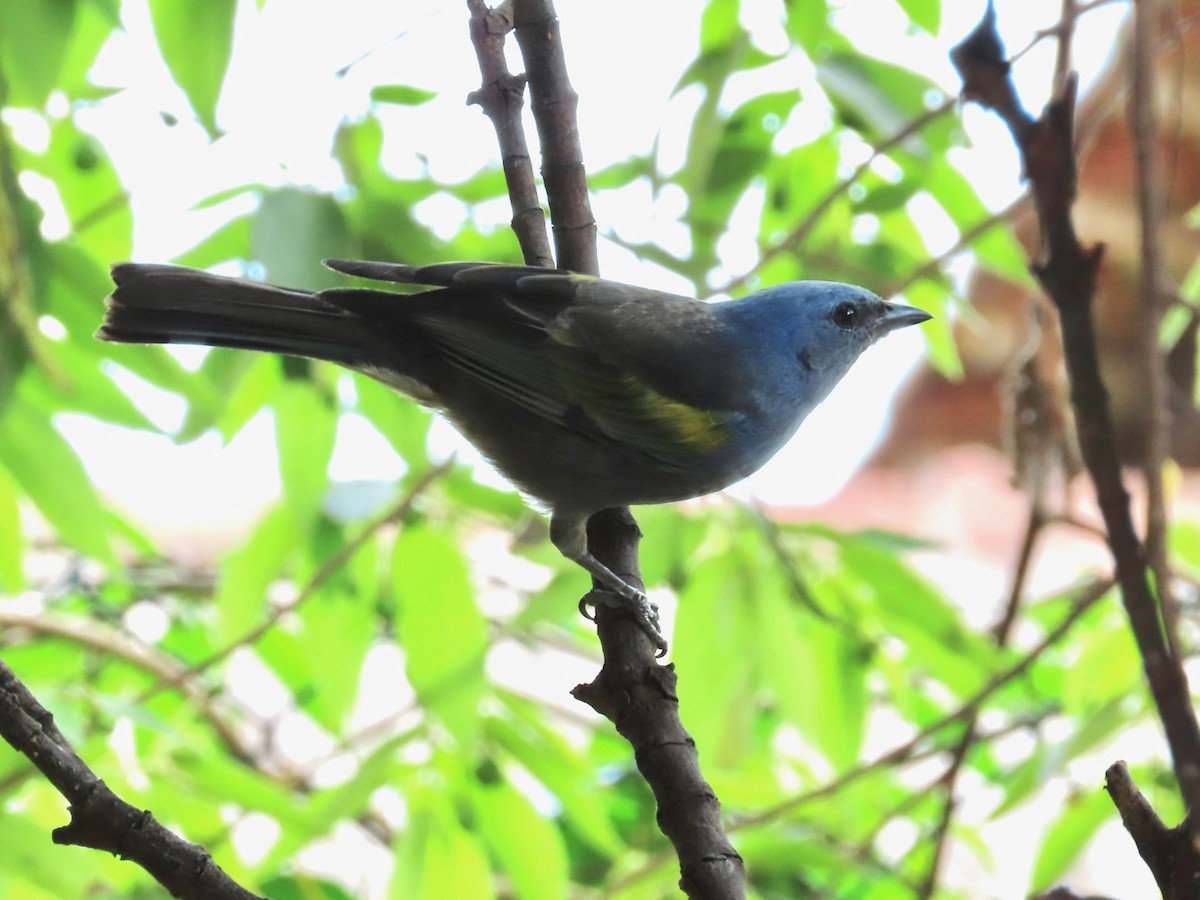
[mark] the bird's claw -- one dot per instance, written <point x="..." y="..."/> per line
<point x="644" y="612"/>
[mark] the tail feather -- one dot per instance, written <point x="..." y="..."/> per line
<point x="173" y="305"/>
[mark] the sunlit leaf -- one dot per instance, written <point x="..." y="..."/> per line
<point x="440" y="627"/>
<point x="305" y="426"/>
<point x="1068" y="835"/>
<point x="926" y="14"/>
<point x="49" y="472"/>
<point x="12" y="543"/>
<point x="249" y="571"/>
<point x="195" y="38"/>
<point x="528" y="847"/>
<point x="33" y="44"/>
<point x="402" y="94"/>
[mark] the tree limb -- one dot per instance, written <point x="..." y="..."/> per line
<point x="1067" y="272"/>
<point x="99" y="818"/>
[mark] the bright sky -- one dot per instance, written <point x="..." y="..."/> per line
<point x="283" y="100"/>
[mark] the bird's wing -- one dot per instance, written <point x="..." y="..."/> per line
<point x="640" y="367"/>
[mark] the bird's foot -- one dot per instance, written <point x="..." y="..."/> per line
<point x="644" y="612"/>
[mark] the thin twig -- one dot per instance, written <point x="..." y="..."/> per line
<point x="1067" y="272"/>
<point x="1001" y="633"/>
<point x="149" y="659"/>
<point x="797" y="235"/>
<point x="501" y="97"/>
<point x="327" y="570"/>
<point x="1086" y="598"/>
<point x="632" y="689"/>
<point x="1066" y="31"/>
<point x="1143" y="125"/>
<point x="554" y="102"/>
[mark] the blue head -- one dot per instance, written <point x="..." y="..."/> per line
<point x="803" y="337"/>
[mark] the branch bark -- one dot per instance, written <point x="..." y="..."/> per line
<point x="1067" y="272"/>
<point x="632" y="689"/>
<point x="553" y="102"/>
<point x="501" y="96"/>
<point x="99" y="818"/>
<point x="1168" y="852"/>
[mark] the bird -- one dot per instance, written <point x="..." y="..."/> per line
<point x="587" y="394"/>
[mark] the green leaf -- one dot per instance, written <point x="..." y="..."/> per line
<point x="876" y="98"/>
<point x="90" y="190"/>
<point x="305" y="428"/>
<point x="712" y="623"/>
<point x="807" y="24"/>
<point x="34" y="37"/>
<point x="215" y="775"/>
<point x="1049" y="760"/>
<point x="399" y="419"/>
<point x="12" y="576"/>
<point x="303" y="887"/>
<point x="230" y="241"/>
<point x="799" y="653"/>
<point x="1105" y="669"/>
<point x="1183" y="539"/>
<point x="1068" y="835"/>
<point x="925" y="14"/>
<point x="293" y="231"/>
<point x="195" y="38"/>
<point x="338" y="628"/>
<point x="440" y="627"/>
<point x="529" y="848"/>
<point x="242" y="595"/>
<point x="49" y="472"/>
<point x="401" y="94"/>
<point x="547" y="756"/>
<point x="911" y="609"/>
<point x="32" y="868"/>
<point x="436" y="858"/>
<point x="236" y="385"/>
<point x="940" y="346"/>
<point x="229" y="194"/>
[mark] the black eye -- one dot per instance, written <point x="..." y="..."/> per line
<point x="845" y="315"/>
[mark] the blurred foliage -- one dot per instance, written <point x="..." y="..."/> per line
<point x="792" y="647"/>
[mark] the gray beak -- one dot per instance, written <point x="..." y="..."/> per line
<point x="897" y="316"/>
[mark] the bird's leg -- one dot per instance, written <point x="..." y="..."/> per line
<point x="569" y="535"/>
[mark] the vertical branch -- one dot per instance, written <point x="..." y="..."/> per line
<point x="553" y="102"/>
<point x="1154" y="376"/>
<point x="1067" y="272"/>
<point x="1066" y="32"/>
<point x="501" y="97"/>
<point x="632" y="689"/>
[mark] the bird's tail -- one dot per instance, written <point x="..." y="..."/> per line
<point x="157" y="304"/>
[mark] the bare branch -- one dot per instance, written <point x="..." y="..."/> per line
<point x="1067" y="272"/>
<point x="99" y="818"/>
<point x="1169" y="852"/>
<point x="501" y="97"/>
<point x="553" y="102"/>
<point x="1153" y="306"/>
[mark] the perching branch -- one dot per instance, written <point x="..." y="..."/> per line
<point x="922" y="745"/>
<point x="632" y="689"/>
